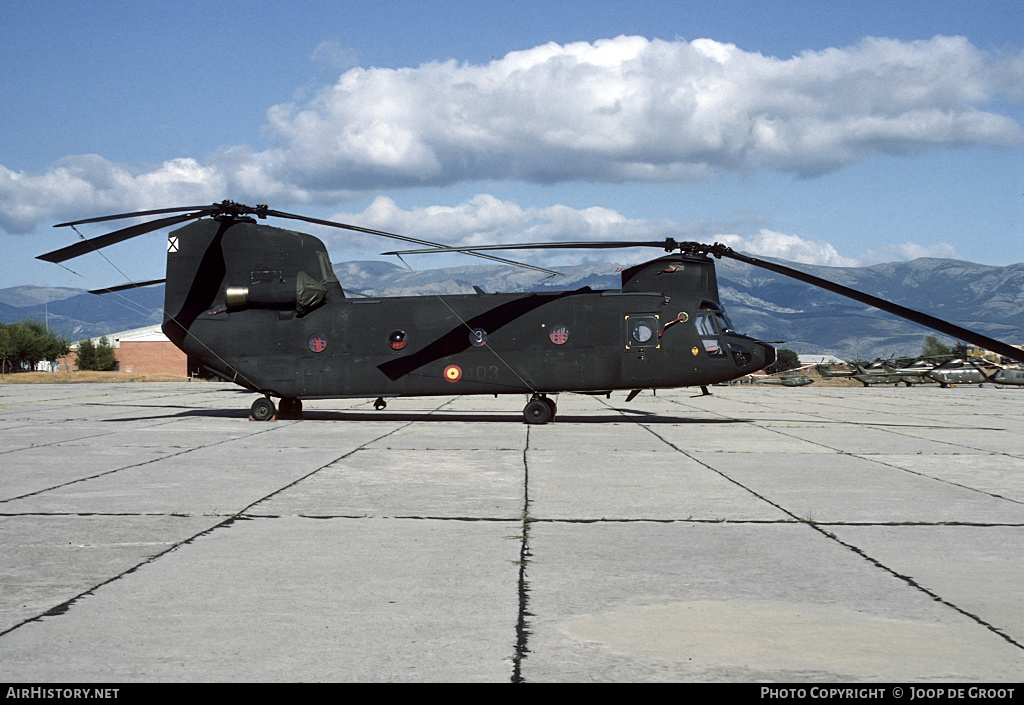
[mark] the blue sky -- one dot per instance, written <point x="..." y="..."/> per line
<point x="840" y="133"/>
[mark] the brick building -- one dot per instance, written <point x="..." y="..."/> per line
<point x="143" y="351"/>
<point x="148" y="351"/>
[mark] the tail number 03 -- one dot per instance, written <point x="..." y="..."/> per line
<point x="482" y="373"/>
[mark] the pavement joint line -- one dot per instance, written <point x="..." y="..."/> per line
<point x="82" y="438"/>
<point x="712" y="469"/>
<point x="529" y="520"/>
<point x="362" y="446"/>
<point x="120" y="392"/>
<point x="837" y="401"/>
<point x="874" y="459"/>
<point x="914" y="584"/>
<point x="47" y="401"/>
<point x="152" y="396"/>
<point x="135" y="465"/>
<point x="522" y="620"/>
<point x="825" y="421"/>
<point x="817" y="526"/>
<point x="237" y="516"/>
<point x="890" y="428"/>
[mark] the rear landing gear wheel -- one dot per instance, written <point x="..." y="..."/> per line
<point x="290" y="408"/>
<point x="539" y="410"/>
<point x="263" y="409"/>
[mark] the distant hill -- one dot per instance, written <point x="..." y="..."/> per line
<point x="78" y="314"/>
<point x="987" y="299"/>
<point x="982" y="298"/>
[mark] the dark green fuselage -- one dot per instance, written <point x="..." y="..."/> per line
<point x="260" y="306"/>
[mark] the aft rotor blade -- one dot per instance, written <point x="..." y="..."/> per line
<point x="382" y="233"/>
<point x="139" y="214"/>
<point x="668" y="245"/>
<point x="124" y="287"/>
<point x="923" y="319"/>
<point x="97" y="243"/>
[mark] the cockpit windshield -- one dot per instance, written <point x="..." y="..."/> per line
<point x="718" y="315"/>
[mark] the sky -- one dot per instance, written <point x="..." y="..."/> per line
<point x="836" y="133"/>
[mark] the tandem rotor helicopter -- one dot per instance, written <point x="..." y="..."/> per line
<point x="261" y="306"/>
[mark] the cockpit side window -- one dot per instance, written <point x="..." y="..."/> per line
<point x="705" y="324"/>
<point x="708" y="331"/>
<point x="721" y="317"/>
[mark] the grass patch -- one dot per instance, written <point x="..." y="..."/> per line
<point x="82" y="377"/>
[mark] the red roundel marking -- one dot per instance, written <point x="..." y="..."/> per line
<point x="317" y="342"/>
<point x="397" y="339"/>
<point x="452" y="373"/>
<point x="559" y="335"/>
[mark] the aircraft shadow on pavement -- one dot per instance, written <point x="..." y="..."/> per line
<point x="438" y="416"/>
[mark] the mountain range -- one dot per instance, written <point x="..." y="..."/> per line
<point x="987" y="299"/>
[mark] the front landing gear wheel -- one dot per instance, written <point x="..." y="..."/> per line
<point x="290" y="408"/>
<point x="539" y="410"/>
<point x="263" y="410"/>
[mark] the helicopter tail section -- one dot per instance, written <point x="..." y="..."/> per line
<point x="229" y="265"/>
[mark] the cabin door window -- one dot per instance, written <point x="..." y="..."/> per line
<point x="642" y="331"/>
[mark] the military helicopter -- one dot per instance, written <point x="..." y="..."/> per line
<point x="789" y="378"/>
<point x="961" y="371"/>
<point x="925" y="370"/>
<point x="885" y="372"/>
<point x="1009" y="376"/>
<point x="260" y="306"/>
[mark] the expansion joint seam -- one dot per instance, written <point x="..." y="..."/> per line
<point x="850" y="547"/>
<point x="238" y="516"/>
<point x="522" y="630"/>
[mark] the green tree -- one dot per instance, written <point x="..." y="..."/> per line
<point x="85" y="358"/>
<point x="45" y="343"/>
<point x="26" y="343"/>
<point x="6" y="348"/>
<point x="934" y="347"/>
<point x="785" y="359"/>
<point x="105" y="358"/>
<point x="97" y="356"/>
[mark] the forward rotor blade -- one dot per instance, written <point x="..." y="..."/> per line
<point x="923" y="319"/>
<point x="97" y="243"/>
<point x="723" y="251"/>
<point x="439" y="248"/>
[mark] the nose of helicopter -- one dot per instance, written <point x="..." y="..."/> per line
<point x="749" y="354"/>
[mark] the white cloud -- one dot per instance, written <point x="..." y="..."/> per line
<point x="908" y="251"/>
<point x="90" y="184"/>
<point x="633" y="109"/>
<point x="486" y="220"/>
<point x="768" y="243"/>
<point x="332" y="56"/>
<point x="622" y="109"/>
